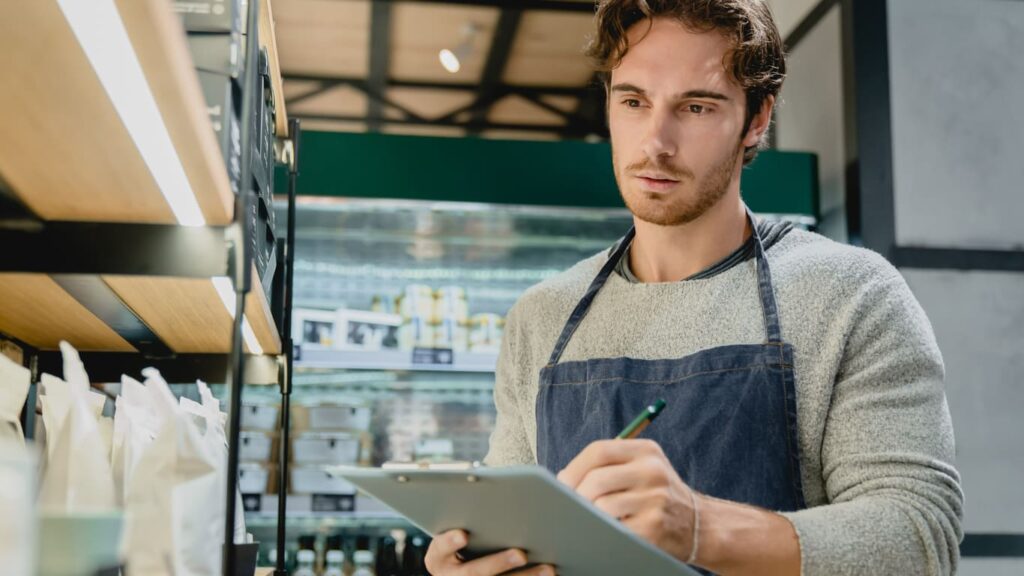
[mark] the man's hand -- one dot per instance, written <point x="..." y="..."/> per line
<point x="633" y="480"/>
<point x="442" y="559"/>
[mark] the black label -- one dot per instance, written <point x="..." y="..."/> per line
<point x="252" y="502"/>
<point x="442" y="356"/>
<point x="333" y="502"/>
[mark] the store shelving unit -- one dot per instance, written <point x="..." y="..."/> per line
<point x="93" y="252"/>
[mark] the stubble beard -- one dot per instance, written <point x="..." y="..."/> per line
<point x="677" y="207"/>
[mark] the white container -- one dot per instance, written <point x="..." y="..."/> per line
<point x="325" y="448"/>
<point x="18" y="503"/>
<point x="417" y="300"/>
<point x="254" y="445"/>
<point x="258" y="416"/>
<point x="486" y="332"/>
<point x="435" y="449"/>
<point x="416" y="332"/>
<point x="253" y="478"/>
<point x="451" y="334"/>
<point x="450" y="302"/>
<point x="316" y="480"/>
<point x="337" y="416"/>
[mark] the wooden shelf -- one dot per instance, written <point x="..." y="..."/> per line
<point x="36" y="310"/>
<point x="67" y="155"/>
<point x="268" y="40"/>
<point x="186" y="313"/>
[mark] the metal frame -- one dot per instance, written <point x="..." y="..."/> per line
<point x="289" y="352"/>
<point x="380" y="61"/>
<point x="494" y="67"/>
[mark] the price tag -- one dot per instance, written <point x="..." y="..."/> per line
<point x="433" y="356"/>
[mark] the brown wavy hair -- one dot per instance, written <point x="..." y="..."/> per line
<point x="757" y="60"/>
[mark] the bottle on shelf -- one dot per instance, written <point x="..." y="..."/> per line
<point x="387" y="558"/>
<point x="335" y="563"/>
<point x="414" y="555"/>
<point x="363" y="562"/>
<point x="307" y="559"/>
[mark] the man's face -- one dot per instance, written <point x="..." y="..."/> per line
<point x="675" y="118"/>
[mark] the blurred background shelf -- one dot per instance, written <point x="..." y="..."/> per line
<point x="428" y="361"/>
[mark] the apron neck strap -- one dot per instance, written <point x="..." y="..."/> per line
<point x="584" y="304"/>
<point x="773" y="332"/>
<point x="769" y="309"/>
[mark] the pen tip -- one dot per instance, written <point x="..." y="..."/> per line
<point x="659" y="405"/>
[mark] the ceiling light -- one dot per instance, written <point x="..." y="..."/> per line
<point x="227" y="295"/>
<point x="102" y="35"/>
<point x="452" y="59"/>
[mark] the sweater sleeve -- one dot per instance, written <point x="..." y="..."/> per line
<point x="509" y="442"/>
<point x="894" y="497"/>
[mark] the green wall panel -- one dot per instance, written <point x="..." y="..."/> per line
<point x="563" y="173"/>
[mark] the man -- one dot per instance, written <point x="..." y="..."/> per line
<point x="807" y="430"/>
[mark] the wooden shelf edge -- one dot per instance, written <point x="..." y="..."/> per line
<point x="268" y="39"/>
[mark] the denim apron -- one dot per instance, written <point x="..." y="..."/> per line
<point x="730" y="424"/>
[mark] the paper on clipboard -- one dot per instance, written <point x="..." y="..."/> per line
<point x="516" y="507"/>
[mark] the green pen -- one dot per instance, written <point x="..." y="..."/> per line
<point x="642" y="421"/>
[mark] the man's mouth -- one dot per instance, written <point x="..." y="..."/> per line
<point x="656" y="181"/>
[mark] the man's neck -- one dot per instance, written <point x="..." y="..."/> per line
<point x="674" y="253"/>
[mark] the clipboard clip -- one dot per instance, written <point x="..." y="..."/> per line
<point x="426" y="465"/>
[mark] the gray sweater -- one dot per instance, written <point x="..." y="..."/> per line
<point x="876" y="441"/>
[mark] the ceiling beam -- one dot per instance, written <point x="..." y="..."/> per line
<point x="562" y="130"/>
<point x="497" y="59"/>
<point x="457" y="86"/>
<point x="556" y="5"/>
<point x="323" y="86"/>
<point x="380" y="56"/>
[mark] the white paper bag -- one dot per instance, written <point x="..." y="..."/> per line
<point x="174" y="494"/>
<point x="134" y="429"/>
<point x="78" y="477"/>
<point x="14" y="383"/>
<point x="217" y="437"/>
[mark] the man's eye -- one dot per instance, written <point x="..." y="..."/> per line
<point x="631" y="103"/>
<point x="698" y="109"/>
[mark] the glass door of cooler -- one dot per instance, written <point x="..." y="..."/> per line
<point x="398" y="316"/>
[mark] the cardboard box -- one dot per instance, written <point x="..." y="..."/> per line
<point x="326" y="448"/>
<point x="338" y="416"/>
<point x="255" y="477"/>
<point x="257" y="446"/>
<point x="258" y="416"/>
<point x="210" y="15"/>
<point x="316" y="480"/>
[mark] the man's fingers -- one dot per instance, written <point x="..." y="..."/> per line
<point x="498" y="563"/>
<point x="542" y="570"/>
<point x="608" y="480"/>
<point x="605" y="453"/>
<point x="624" y="504"/>
<point x="440" y="555"/>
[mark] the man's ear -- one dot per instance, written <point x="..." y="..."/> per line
<point x="760" y="123"/>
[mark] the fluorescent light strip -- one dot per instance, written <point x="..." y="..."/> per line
<point x="227" y="296"/>
<point x="103" y="37"/>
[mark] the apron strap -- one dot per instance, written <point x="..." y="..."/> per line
<point x="773" y="331"/>
<point x="583" y="305"/>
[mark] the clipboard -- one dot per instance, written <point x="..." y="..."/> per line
<point x="523" y="507"/>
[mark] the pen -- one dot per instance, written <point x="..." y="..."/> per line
<point x="642" y="421"/>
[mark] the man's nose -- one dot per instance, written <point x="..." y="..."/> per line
<point x="660" y="140"/>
